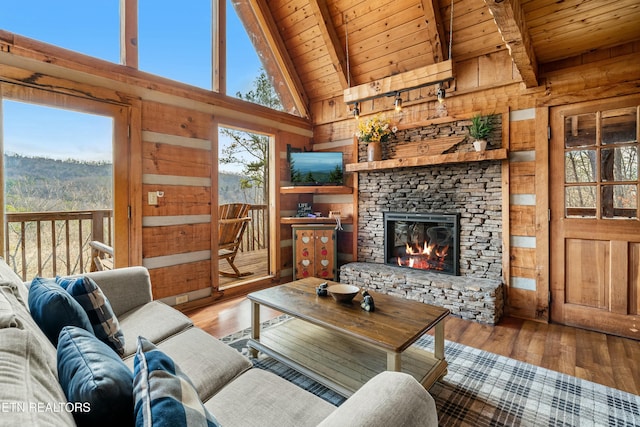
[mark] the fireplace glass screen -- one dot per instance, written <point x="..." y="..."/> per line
<point x="424" y="241"/>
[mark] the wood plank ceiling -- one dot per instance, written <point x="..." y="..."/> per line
<point x="387" y="37"/>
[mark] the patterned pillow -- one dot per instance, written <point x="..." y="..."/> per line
<point x="95" y="303"/>
<point x="53" y="308"/>
<point x="95" y="379"/>
<point x="163" y="394"/>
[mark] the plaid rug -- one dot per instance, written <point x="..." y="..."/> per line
<point x="486" y="389"/>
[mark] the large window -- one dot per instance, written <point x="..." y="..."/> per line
<point x="174" y="40"/>
<point x="601" y="164"/>
<point x="88" y="27"/>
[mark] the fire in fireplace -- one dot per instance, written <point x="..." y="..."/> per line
<point x="425" y="241"/>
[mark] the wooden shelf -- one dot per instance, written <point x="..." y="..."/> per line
<point x="316" y="189"/>
<point x="472" y="156"/>
<point x="307" y="220"/>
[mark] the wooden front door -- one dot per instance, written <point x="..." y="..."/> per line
<point x="595" y="226"/>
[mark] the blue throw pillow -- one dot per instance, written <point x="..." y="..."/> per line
<point x="95" y="379"/>
<point x="163" y="394"/>
<point x="96" y="305"/>
<point x="53" y="308"/>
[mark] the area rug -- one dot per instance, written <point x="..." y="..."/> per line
<point x="486" y="389"/>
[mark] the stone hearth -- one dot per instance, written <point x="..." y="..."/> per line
<point x="471" y="298"/>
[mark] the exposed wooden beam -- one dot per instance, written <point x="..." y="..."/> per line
<point x="280" y="54"/>
<point x="331" y="39"/>
<point x="219" y="46"/>
<point x="509" y="16"/>
<point x="420" y="77"/>
<point x="129" y="33"/>
<point x="435" y="29"/>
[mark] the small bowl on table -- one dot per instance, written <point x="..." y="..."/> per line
<point x="343" y="293"/>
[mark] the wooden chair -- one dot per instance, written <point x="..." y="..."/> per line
<point x="232" y="222"/>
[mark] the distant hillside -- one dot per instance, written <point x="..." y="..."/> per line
<point x="41" y="184"/>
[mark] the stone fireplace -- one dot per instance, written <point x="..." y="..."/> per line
<point x="472" y="193"/>
<point x="422" y="240"/>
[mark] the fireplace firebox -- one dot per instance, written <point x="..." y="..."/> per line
<point x="424" y="241"/>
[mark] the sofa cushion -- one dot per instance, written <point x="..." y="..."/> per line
<point x="164" y="395"/>
<point x="92" y="375"/>
<point x="265" y="399"/>
<point x="409" y="404"/>
<point x="29" y="389"/>
<point x="8" y="318"/>
<point x="209" y="362"/>
<point x="96" y="305"/>
<point x="10" y="279"/>
<point x="155" y="321"/>
<point x="53" y="308"/>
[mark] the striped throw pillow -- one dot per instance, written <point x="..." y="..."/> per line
<point x="163" y="395"/>
<point x="96" y="305"/>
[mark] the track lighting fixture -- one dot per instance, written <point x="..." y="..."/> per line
<point x="398" y="102"/>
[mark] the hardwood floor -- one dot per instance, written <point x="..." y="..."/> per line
<point x="604" y="359"/>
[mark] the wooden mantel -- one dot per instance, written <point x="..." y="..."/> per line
<point x="462" y="157"/>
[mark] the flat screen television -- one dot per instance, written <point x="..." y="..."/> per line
<point x="316" y="168"/>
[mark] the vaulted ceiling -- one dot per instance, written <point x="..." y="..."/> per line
<point x="322" y="47"/>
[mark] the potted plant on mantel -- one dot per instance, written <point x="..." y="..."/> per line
<point x="481" y="127"/>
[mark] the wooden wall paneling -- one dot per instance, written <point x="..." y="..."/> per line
<point x="161" y="241"/>
<point x="467" y="74"/>
<point x="177" y="200"/>
<point x="522" y="177"/>
<point x="495" y="69"/>
<point x="523" y="135"/>
<point x="180" y="279"/>
<point x="167" y="159"/>
<point x="522" y="303"/>
<point x="178" y="161"/>
<point x="522" y="220"/>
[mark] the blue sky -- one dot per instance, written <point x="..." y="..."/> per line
<point x="174" y="42"/>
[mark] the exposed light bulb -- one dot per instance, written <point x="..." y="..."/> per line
<point x="398" y="102"/>
<point x="441" y="93"/>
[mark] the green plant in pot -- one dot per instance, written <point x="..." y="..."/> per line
<point x="481" y="127"/>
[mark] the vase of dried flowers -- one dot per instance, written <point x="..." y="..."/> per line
<point x="375" y="131"/>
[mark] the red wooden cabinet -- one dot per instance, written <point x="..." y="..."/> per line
<point x="314" y="251"/>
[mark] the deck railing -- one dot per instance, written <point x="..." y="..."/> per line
<point x="255" y="235"/>
<point x="57" y="243"/>
<point x="54" y="243"/>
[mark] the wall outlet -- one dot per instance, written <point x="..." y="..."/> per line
<point x="152" y="198"/>
<point x="181" y="299"/>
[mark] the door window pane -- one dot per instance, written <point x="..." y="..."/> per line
<point x="619" y="126"/>
<point x="580" y="130"/>
<point x="619" y="201"/>
<point x="619" y="164"/>
<point x="580" y="166"/>
<point x="580" y="201"/>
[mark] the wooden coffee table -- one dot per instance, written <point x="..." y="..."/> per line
<point x="342" y="346"/>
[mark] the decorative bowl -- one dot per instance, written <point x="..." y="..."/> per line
<point x="343" y="293"/>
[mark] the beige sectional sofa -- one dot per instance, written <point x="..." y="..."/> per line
<point x="235" y="392"/>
